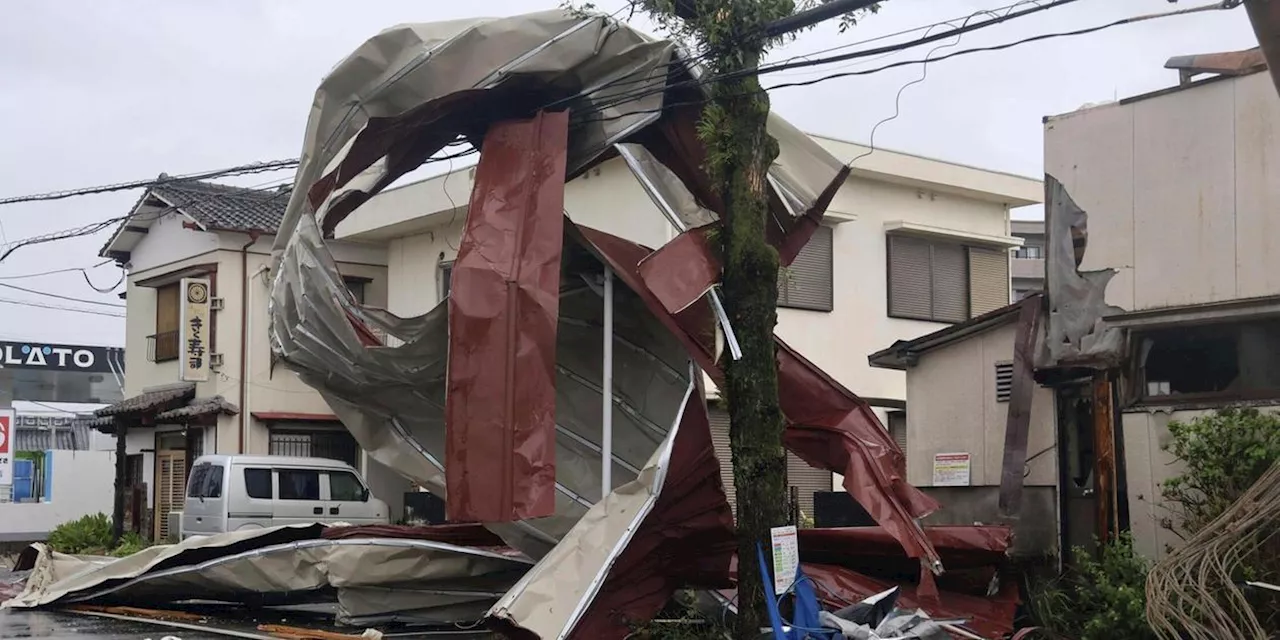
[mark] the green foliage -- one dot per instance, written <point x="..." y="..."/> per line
<point x="130" y="544"/>
<point x="1225" y="453"/>
<point x="91" y="533"/>
<point x="679" y="620"/>
<point x="1101" y="598"/>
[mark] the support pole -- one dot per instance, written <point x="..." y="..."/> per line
<point x="606" y="391"/>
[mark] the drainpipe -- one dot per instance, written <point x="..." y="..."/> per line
<point x="244" y="340"/>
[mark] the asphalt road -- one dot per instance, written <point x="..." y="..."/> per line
<point x="46" y="624"/>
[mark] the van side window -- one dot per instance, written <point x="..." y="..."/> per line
<point x="345" y="487"/>
<point x="257" y="483"/>
<point x="213" y="482"/>
<point x="195" y="484"/>
<point x="299" y="484"/>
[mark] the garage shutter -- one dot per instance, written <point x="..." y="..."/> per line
<point x="720" y="439"/>
<point x="807" y="480"/>
<point x="988" y="280"/>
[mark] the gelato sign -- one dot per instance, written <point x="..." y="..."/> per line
<point x="58" y="357"/>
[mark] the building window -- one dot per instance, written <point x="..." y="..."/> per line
<point x="1030" y="252"/>
<point x="162" y="346"/>
<point x="356" y="287"/>
<point x="333" y="444"/>
<point x="1004" y="381"/>
<point x="944" y="281"/>
<point x="807" y="282"/>
<point x="898" y="429"/>
<point x="446" y="279"/>
<point x="1221" y="361"/>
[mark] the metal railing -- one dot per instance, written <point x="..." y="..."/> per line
<point x="162" y="347"/>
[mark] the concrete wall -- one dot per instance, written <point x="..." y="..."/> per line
<point x="82" y="485"/>
<point x="1147" y="466"/>
<point x="1035" y="533"/>
<point x="1179" y="191"/>
<point x="952" y="407"/>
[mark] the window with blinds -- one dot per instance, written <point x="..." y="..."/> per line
<point x="944" y="281"/>
<point x="807" y="283"/>
<point x="898" y="429"/>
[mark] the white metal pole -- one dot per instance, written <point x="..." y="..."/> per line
<point x="606" y="391"/>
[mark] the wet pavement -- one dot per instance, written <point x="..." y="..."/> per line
<point x="53" y="625"/>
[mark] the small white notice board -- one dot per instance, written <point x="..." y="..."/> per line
<point x="786" y="558"/>
<point x="951" y="469"/>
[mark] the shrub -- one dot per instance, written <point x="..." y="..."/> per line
<point x="1101" y="598"/>
<point x="91" y="533"/>
<point x="1225" y="453"/>
<point x="130" y="544"/>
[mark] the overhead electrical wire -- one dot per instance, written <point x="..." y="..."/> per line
<point x="55" y="271"/>
<point x="39" y="305"/>
<point x="244" y="169"/>
<point x="60" y="296"/>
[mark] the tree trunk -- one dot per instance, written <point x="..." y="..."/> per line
<point x="122" y="464"/>
<point x="750" y="285"/>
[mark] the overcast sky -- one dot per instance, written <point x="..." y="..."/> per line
<point x="98" y="92"/>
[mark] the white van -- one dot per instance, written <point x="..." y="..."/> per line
<point x="234" y="493"/>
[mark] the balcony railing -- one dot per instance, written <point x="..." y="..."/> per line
<point x="162" y="347"/>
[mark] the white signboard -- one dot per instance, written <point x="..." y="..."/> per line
<point x="193" y="345"/>
<point x="7" y="422"/>
<point x="786" y="558"/>
<point x="951" y="469"/>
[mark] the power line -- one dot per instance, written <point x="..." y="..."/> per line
<point x="39" y="305"/>
<point x="59" y="296"/>
<point x="49" y="273"/>
<point x="253" y="167"/>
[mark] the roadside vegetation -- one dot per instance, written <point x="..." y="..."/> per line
<point x="91" y="536"/>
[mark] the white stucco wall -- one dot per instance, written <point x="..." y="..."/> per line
<point x="952" y="408"/>
<point x="83" y="484"/>
<point x="1180" y="196"/>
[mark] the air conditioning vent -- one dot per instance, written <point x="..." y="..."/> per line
<point x="216" y="304"/>
<point x="215" y="361"/>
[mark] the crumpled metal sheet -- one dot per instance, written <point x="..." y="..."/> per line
<point x="670" y="527"/>
<point x="72" y="575"/>
<point x="828" y="426"/>
<point x="989" y="617"/>
<point x="370" y="578"/>
<point x="500" y="413"/>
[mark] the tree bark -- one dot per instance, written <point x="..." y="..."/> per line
<point x="750" y="284"/>
<point x="117" y="512"/>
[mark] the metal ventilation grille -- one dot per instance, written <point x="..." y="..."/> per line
<point x="1004" y="381"/>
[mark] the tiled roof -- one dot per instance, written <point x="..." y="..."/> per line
<point x="198" y="407"/>
<point x="224" y="207"/>
<point x="150" y="399"/>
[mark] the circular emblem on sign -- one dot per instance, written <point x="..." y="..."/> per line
<point x="197" y="293"/>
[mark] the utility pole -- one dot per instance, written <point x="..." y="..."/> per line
<point x="736" y="34"/>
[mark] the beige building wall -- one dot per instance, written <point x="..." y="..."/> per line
<point x="422" y="222"/>
<point x="952" y="408"/>
<point x="1180" y="189"/>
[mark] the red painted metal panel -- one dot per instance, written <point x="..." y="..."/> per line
<point x="503" y="307"/>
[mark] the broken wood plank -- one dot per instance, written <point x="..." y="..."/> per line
<point x="298" y="633"/>
<point x="159" y="614"/>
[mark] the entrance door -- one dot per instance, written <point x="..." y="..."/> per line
<point x="171" y="480"/>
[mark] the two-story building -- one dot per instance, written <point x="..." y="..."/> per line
<point x="219" y="238"/>
<point x="909" y="245"/>
<point x="1027" y="268"/>
<point x="1162" y="278"/>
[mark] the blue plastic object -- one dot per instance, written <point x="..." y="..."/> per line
<point x="806" y="624"/>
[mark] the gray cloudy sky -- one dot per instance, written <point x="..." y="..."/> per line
<point x="97" y="92"/>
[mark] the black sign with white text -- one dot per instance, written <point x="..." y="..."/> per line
<point x="60" y="357"/>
